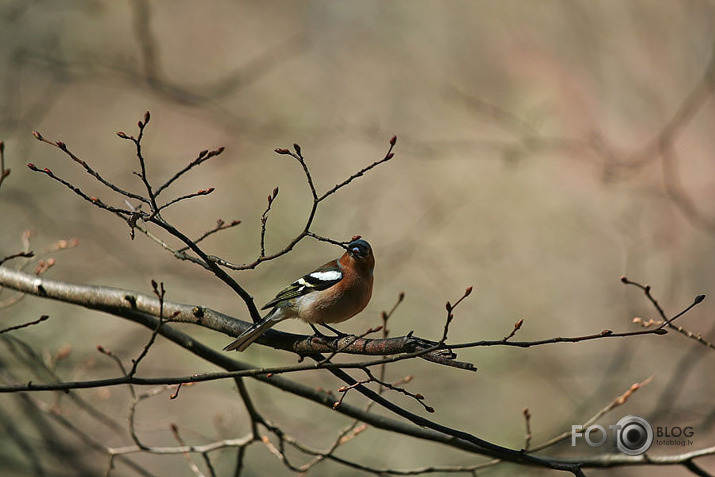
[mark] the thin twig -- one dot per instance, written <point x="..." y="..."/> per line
<point x="160" y="293"/>
<point x="17" y="255"/>
<point x="264" y="220"/>
<point x="220" y="225"/>
<point x="63" y="147"/>
<point x="203" y="156"/>
<point x="527" y="424"/>
<point x="93" y="200"/>
<point x="450" y="315"/>
<point x="199" y="193"/>
<point x="24" y="325"/>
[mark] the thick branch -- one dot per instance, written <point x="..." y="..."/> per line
<point x="124" y="303"/>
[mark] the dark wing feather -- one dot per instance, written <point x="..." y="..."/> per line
<point x="319" y="279"/>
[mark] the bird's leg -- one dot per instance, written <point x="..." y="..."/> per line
<point x="339" y="334"/>
<point x="316" y="332"/>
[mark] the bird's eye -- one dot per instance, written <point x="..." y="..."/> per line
<point x="359" y="250"/>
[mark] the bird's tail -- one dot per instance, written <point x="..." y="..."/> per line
<point x="252" y="333"/>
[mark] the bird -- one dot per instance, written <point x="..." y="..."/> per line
<point x="332" y="293"/>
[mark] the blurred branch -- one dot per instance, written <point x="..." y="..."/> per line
<point x="59" y="65"/>
<point x="660" y="148"/>
<point x="617" y="402"/>
<point x="212" y="92"/>
<point x="3" y="172"/>
<point x="621" y="460"/>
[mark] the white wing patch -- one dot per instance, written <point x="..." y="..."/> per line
<point x="328" y="276"/>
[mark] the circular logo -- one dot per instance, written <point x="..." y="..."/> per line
<point x="634" y="435"/>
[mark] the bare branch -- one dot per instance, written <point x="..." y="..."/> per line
<point x="264" y="219"/>
<point x="63" y="147"/>
<point x="17" y="255"/>
<point x="203" y="156"/>
<point x="24" y="325"/>
<point x="93" y="200"/>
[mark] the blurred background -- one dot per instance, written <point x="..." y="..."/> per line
<point x="544" y="150"/>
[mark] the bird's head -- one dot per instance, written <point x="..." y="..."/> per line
<point x="361" y="252"/>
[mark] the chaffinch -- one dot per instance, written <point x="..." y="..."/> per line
<point x="333" y="293"/>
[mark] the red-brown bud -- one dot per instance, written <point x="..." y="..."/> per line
<point x="393" y="140"/>
<point x="64" y="352"/>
